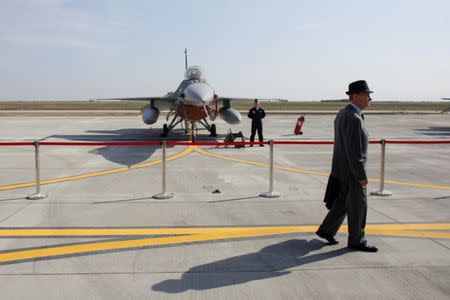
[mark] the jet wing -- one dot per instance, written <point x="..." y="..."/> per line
<point x="235" y="99"/>
<point x="135" y="99"/>
<point x="162" y="103"/>
<point x="225" y="101"/>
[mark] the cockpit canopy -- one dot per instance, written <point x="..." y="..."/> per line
<point x="194" y="73"/>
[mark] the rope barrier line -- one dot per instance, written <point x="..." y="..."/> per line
<point x="202" y="151"/>
<point x="416" y="142"/>
<point x="314" y="142"/>
<point x="16" y="143"/>
<point x="195" y="147"/>
<point x="303" y="143"/>
<point x="95" y="174"/>
<point x="100" y="143"/>
<point x="171" y="143"/>
<point x="175" y="143"/>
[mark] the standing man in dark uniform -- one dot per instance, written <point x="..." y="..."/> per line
<point x="256" y="113"/>
<point x="348" y="178"/>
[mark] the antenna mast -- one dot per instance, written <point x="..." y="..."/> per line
<point x="185" y="58"/>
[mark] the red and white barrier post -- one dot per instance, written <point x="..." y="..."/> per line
<point x="38" y="194"/>
<point x="381" y="191"/>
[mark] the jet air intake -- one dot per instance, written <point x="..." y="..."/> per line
<point x="150" y="114"/>
<point x="230" y="115"/>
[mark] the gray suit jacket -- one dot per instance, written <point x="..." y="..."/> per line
<point x="351" y="141"/>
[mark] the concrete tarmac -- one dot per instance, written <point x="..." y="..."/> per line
<point x="100" y="235"/>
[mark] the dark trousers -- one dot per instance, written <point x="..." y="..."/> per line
<point x="260" y="134"/>
<point x="353" y="204"/>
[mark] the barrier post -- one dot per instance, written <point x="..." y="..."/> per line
<point x="270" y="193"/>
<point x="38" y="194"/>
<point x="381" y="191"/>
<point x="163" y="194"/>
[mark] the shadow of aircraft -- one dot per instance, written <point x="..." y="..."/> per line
<point x="124" y="155"/>
<point x="131" y="155"/>
<point x="269" y="262"/>
<point x="435" y="131"/>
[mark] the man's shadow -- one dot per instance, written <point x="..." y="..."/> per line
<point x="269" y="262"/>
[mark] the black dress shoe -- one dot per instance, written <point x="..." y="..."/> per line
<point x="363" y="247"/>
<point x="330" y="239"/>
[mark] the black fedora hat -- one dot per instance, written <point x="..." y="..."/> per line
<point x="358" y="87"/>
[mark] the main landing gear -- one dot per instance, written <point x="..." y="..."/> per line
<point x="210" y="128"/>
<point x="193" y="127"/>
<point x="166" y="129"/>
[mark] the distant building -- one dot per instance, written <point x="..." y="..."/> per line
<point x="334" y="100"/>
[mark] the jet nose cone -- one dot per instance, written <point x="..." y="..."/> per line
<point x="198" y="94"/>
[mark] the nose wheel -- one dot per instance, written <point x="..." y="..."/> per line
<point x="193" y="132"/>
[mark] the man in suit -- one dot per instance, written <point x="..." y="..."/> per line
<point x="256" y="113"/>
<point x="348" y="172"/>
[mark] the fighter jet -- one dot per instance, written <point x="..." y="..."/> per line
<point x="194" y="101"/>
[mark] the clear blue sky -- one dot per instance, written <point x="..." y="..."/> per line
<point x="298" y="50"/>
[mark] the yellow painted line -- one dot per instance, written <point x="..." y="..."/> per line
<point x="184" y="235"/>
<point x="406" y="233"/>
<point x="202" y="151"/>
<point x="80" y="232"/>
<point x="100" y="173"/>
<point x="22" y="232"/>
<point x="438" y="187"/>
<point x="419" y="226"/>
<point x="406" y="230"/>
<point x="136" y="243"/>
<point x="116" y="245"/>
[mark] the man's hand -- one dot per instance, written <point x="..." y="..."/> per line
<point x="364" y="182"/>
